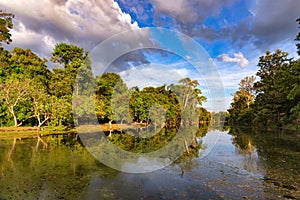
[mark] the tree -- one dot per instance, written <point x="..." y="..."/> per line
<point x="24" y="64"/>
<point x="272" y="88"/>
<point x="247" y="90"/>
<point x="5" y="64"/>
<point x="61" y="112"/>
<point x="219" y="117"/>
<point x="293" y="95"/>
<point x="205" y="116"/>
<point x="298" y="37"/>
<point x="269" y="65"/>
<point x="277" y="93"/>
<point x="104" y="90"/>
<point x="188" y="99"/>
<point x="5" y="25"/>
<point x="120" y="103"/>
<point x="190" y="89"/>
<point x="15" y="93"/>
<point x="69" y="55"/>
<point x="61" y="83"/>
<point x="242" y="100"/>
<point x="71" y="58"/>
<point x="42" y="104"/>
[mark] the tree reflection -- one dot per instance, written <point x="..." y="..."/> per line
<point x="278" y="150"/>
<point x="59" y="168"/>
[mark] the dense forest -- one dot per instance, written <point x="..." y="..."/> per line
<point x="33" y="95"/>
<point x="273" y="97"/>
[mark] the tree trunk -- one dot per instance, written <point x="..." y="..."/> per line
<point x="110" y="125"/>
<point x="41" y="123"/>
<point x="186" y="147"/>
<point x="15" y="121"/>
<point x="39" y="120"/>
<point x="186" y="100"/>
<point x="11" y="110"/>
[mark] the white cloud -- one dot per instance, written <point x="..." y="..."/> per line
<point x="231" y="75"/>
<point x="152" y="75"/>
<point x="237" y="58"/>
<point x="39" y="24"/>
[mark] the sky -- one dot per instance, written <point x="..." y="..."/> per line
<point x="156" y="42"/>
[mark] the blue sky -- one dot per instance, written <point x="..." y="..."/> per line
<point x="234" y="33"/>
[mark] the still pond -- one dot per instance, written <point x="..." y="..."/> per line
<point x="237" y="163"/>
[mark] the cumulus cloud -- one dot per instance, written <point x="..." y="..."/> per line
<point x="127" y="61"/>
<point x="41" y="24"/>
<point x="268" y="26"/>
<point x="237" y="58"/>
<point x="274" y="21"/>
<point x="185" y="16"/>
<point x="141" y="9"/>
<point x="195" y="11"/>
<point x="188" y="16"/>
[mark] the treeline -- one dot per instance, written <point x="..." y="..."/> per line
<point x="33" y="95"/>
<point x="219" y="117"/>
<point x="273" y="97"/>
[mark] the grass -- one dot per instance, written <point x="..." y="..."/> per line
<point x="7" y="133"/>
<point x="105" y="127"/>
<point x="29" y="132"/>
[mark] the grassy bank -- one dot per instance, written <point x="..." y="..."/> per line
<point x="29" y="132"/>
<point x="7" y="133"/>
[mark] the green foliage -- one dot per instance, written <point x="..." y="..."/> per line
<point x="62" y="112"/>
<point x="26" y="64"/>
<point x="298" y="37"/>
<point x="277" y="93"/>
<point x="120" y="103"/>
<point x="15" y="96"/>
<point x="71" y="58"/>
<point x="277" y="100"/>
<point x="5" y="25"/>
<point x="69" y="55"/>
<point x="33" y="95"/>
<point x="157" y="106"/>
<point x="205" y="116"/>
<point x="242" y="100"/>
<point x="104" y="91"/>
<point x="273" y="89"/>
<point x="219" y="117"/>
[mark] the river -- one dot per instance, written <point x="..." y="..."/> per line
<point x="240" y="163"/>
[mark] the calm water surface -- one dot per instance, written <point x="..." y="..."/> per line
<point x="242" y="164"/>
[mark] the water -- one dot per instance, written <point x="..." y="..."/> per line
<point x="242" y="164"/>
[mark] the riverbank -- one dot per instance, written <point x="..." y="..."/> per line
<point x="7" y="133"/>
